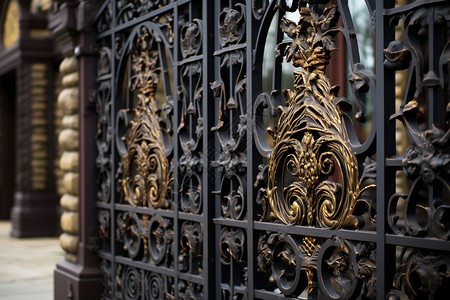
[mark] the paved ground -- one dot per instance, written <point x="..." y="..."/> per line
<point x="26" y="266"/>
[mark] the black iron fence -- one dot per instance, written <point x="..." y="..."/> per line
<point x="230" y="167"/>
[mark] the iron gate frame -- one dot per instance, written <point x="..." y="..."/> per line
<point x="212" y="280"/>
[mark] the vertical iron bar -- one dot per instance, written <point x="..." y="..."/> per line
<point x="175" y="152"/>
<point x="215" y="35"/>
<point x="113" y="151"/>
<point x="277" y="70"/>
<point x="435" y="99"/>
<point x="208" y="153"/>
<point x="250" y="148"/>
<point x="435" y="44"/>
<point x="231" y="282"/>
<point x="385" y="145"/>
<point x="129" y="100"/>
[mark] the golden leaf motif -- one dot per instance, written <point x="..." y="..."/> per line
<point x="310" y="140"/>
<point x="145" y="167"/>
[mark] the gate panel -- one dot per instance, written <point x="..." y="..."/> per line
<point x="230" y="167"/>
<point x="417" y="227"/>
<point x="152" y="161"/>
<point x="315" y="232"/>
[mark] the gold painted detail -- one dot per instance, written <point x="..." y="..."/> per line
<point x="145" y="166"/>
<point x="311" y="143"/>
<point x="11" y="30"/>
<point x="38" y="6"/>
<point x="39" y="33"/>
<point x="39" y="121"/>
<point x="308" y="245"/>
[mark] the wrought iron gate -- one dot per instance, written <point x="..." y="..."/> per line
<point x="222" y="175"/>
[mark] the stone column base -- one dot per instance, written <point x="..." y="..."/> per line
<point x="35" y="214"/>
<point x="75" y="282"/>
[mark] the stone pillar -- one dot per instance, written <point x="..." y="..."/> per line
<point x="68" y="142"/>
<point x="35" y="211"/>
<point x="77" y="277"/>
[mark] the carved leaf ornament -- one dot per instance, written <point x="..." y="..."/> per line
<point x="310" y="140"/>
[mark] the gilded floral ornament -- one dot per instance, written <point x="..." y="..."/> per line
<point x="311" y="142"/>
<point x="145" y="166"/>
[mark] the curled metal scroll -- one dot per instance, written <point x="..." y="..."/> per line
<point x="190" y="129"/>
<point x="339" y="268"/>
<point x="104" y="123"/>
<point x="231" y="126"/>
<point x="160" y="241"/>
<point x="131" y="283"/>
<point x="129" y="231"/>
<point x="154" y="287"/>
<point x="421" y="275"/>
<point x="336" y="260"/>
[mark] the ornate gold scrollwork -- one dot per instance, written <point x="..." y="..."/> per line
<point x="311" y="142"/>
<point x="145" y="166"/>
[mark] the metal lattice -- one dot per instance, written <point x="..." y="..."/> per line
<point x="220" y="179"/>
